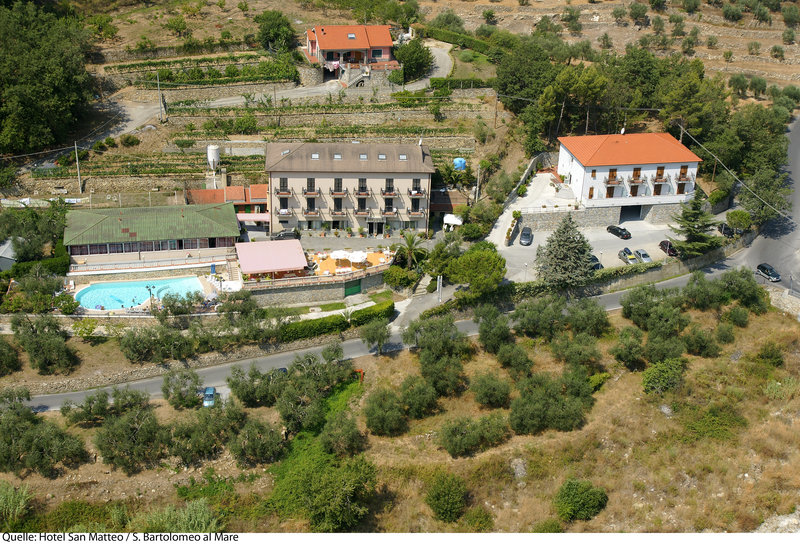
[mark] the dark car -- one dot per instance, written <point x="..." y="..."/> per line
<point x="526" y="237"/>
<point x="768" y="272"/>
<point x="725" y="230"/>
<point x="619" y="232"/>
<point x="595" y="263"/>
<point x="287" y="235"/>
<point x="667" y="247"/>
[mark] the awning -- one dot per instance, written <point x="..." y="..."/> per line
<point x="340" y="254"/>
<point x="270" y="256"/>
<point x="358" y="257"/>
<point x="450" y="219"/>
<point x="243" y="217"/>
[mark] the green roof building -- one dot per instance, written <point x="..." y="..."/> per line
<point x="165" y="228"/>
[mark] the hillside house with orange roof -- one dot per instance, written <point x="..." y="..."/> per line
<point x="348" y="51"/>
<point x="610" y="170"/>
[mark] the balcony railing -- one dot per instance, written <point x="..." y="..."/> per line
<point x="283" y="191"/>
<point x="416" y="193"/>
<point x="389" y="192"/>
<point x="363" y="191"/>
<point x="662" y="179"/>
<point x="612" y="181"/>
<point x="312" y="212"/>
<point x="416" y="213"/>
<point x="310" y="192"/>
<point x="687" y="177"/>
<point x="338" y="212"/>
<point x="362" y="213"/>
<point x="388" y="211"/>
<point x="339" y="192"/>
<point x="284" y="213"/>
<point x="636" y="180"/>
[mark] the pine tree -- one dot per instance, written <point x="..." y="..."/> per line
<point x="694" y="224"/>
<point x="564" y="262"/>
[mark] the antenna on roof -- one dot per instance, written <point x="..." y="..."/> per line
<point x="622" y="131"/>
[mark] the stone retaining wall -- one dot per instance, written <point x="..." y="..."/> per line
<point x="205" y="92"/>
<point x="585" y="217"/>
<point x="660" y="213"/>
<point x="316" y="294"/>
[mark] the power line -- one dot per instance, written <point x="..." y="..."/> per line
<point x="743" y="184"/>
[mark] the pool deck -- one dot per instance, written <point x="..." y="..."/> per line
<point x="144" y="308"/>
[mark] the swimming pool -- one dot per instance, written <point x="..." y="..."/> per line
<point x="119" y="294"/>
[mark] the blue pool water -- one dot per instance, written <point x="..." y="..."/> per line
<point x="115" y="295"/>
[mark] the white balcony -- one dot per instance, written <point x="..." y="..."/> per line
<point x="637" y="200"/>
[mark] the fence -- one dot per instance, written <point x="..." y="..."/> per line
<point x="315" y="280"/>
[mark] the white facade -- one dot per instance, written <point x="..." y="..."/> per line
<point x="627" y="184"/>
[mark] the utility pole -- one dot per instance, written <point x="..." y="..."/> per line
<point x="495" y="110"/>
<point x="78" y="164"/>
<point x="158" y="82"/>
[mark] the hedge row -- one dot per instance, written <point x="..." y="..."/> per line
<point x="606" y="274"/>
<point x="310" y="328"/>
<point x="461" y="82"/>
<point x="57" y="265"/>
<point x="458" y="39"/>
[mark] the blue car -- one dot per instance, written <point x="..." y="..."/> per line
<point x="209" y="397"/>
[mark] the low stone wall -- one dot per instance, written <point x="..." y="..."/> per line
<point x="205" y="92"/>
<point x="586" y="217"/>
<point x="660" y="213"/>
<point x="329" y="292"/>
<point x="310" y="75"/>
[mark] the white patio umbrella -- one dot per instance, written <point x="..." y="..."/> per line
<point x="358" y="257"/>
<point x="340" y="254"/>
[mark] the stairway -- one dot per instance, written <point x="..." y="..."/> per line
<point x="234" y="274"/>
<point x="422" y="286"/>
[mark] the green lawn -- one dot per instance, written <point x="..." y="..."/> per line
<point x="479" y="66"/>
<point x="381" y="296"/>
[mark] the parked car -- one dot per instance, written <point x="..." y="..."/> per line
<point x="667" y="247"/>
<point x="725" y="230"/>
<point x="596" y="265"/>
<point x="627" y="256"/>
<point x="209" y="397"/>
<point x="642" y="256"/>
<point x="619" y="232"/>
<point x="526" y="237"/>
<point x="768" y="272"/>
<point x="287" y="235"/>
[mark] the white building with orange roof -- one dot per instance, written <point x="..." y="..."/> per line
<point x="612" y="170"/>
<point x="349" y="51"/>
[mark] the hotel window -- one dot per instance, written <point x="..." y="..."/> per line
<point x="173" y="245"/>
<point x="310" y="183"/>
<point x="594" y="174"/>
<point x="381" y="156"/>
<point x="362" y="204"/>
<point x="190" y="243"/>
<point x="660" y="172"/>
<point x="311" y="204"/>
<point x="115" y="248"/>
<point x="283" y="204"/>
<point x="362" y="156"/>
<point x="315" y="156"/>
<point x="98" y="249"/>
<point x="637" y="173"/>
<point x="337" y="156"/>
<point x="416" y="186"/>
<point x="362" y="185"/>
<point x="337" y="185"/>
<point x="403" y="157"/>
<point x="612" y="174"/>
<point x="415" y="205"/>
<point x="388" y="204"/>
<point x="284" y="185"/>
<point x="78" y="250"/>
<point x="389" y="185"/>
<point x="202" y="243"/>
<point x="337" y="204"/>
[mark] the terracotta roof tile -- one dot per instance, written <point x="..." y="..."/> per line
<point x="335" y="37"/>
<point x="621" y="149"/>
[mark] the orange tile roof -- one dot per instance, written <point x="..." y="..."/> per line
<point x="334" y="37"/>
<point x="620" y="149"/>
<point x="234" y="193"/>
<point x="259" y="190"/>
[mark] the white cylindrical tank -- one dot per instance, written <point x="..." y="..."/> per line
<point x="213" y="157"/>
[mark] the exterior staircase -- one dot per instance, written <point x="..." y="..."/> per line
<point x="422" y="286"/>
<point x="234" y="274"/>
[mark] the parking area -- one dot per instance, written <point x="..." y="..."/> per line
<point x="520" y="259"/>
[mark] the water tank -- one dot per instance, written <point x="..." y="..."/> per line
<point x="459" y="163"/>
<point x="213" y="157"/>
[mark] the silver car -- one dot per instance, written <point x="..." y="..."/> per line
<point x="642" y="256"/>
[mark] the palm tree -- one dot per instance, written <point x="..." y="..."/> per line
<point x="411" y="250"/>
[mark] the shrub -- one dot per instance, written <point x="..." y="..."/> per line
<point x="14" y="503"/>
<point x="663" y="376"/>
<point x="579" y="350"/>
<point x="385" y="414"/>
<point x="700" y="342"/>
<point x="776" y="52"/>
<point x="491" y="391"/>
<point x="737" y="315"/>
<point x="788" y="36"/>
<point x="375" y="333"/>
<point x="398" y="277"/>
<point x="493" y="331"/>
<point x="472" y="231"/>
<point x="418" y="396"/>
<point x="257" y="443"/>
<point x="725" y="333"/>
<point x="547" y="526"/>
<point x="382" y="310"/>
<point x="195" y="517"/>
<point x="513" y="357"/>
<point x="129" y="140"/>
<point x="541" y="316"/>
<point x="629" y="349"/>
<point x="466" y="56"/>
<point x="478" y="520"/>
<point x="132" y="441"/>
<point x="579" y="499"/>
<point x="310" y="328"/>
<point x="341" y="436"/>
<point x="659" y="348"/>
<point x="546" y="403"/>
<point x="447" y="496"/>
<point x="587" y="316"/>
<point x="770" y="353"/>
<point x="9" y="358"/>
<point x="110" y="142"/>
<point x="45" y="342"/>
<point x="180" y="388"/>
<point x="731" y="12"/>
